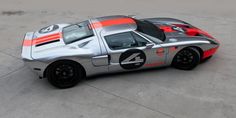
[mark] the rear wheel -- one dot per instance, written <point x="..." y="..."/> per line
<point x="186" y="59"/>
<point x="64" y="74"/>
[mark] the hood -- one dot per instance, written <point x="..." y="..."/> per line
<point x="174" y="28"/>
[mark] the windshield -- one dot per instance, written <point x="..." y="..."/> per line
<point x="77" y="32"/>
<point x="150" y="29"/>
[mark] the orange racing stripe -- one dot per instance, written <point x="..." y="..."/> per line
<point x="47" y="36"/>
<point x="47" y="39"/>
<point x="43" y="39"/>
<point x="27" y="42"/>
<point x="105" y="23"/>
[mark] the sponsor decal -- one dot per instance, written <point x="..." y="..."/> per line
<point x="172" y="49"/>
<point x="132" y="59"/>
<point x="160" y="52"/>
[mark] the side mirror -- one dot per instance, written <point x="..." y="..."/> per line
<point x="149" y="45"/>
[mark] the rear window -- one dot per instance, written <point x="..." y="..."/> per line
<point x="77" y="32"/>
<point x="150" y="29"/>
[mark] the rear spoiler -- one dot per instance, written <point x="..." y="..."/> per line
<point x="27" y="46"/>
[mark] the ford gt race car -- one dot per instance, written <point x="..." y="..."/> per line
<point x="67" y="53"/>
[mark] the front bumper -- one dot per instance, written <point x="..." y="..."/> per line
<point x="209" y="52"/>
<point x="36" y="66"/>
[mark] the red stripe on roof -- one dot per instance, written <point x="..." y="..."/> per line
<point x="112" y="22"/>
<point x="167" y="28"/>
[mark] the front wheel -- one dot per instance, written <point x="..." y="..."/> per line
<point x="186" y="59"/>
<point x="64" y="74"/>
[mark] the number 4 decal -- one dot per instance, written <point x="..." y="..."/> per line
<point x="48" y="29"/>
<point x="134" y="56"/>
<point x="132" y="59"/>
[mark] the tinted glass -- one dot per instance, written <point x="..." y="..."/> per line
<point x="150" y="29"/>
<point x="140" y="40"/>
<point x="120" y="41"/>
<point x="125" y="40"/>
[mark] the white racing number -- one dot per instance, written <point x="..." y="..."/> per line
<point x="49" y="29"/>
<point x="178" y="29"/>
<point x="132" y="59"/>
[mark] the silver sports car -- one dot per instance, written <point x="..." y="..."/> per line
<point x="67" y="53"/>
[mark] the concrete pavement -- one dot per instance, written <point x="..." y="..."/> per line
<point x="205" y="92"/>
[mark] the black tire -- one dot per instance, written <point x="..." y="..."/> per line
<point x="186" y="59"/>
<point x="64" y="74"/>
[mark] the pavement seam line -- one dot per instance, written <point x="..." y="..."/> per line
<point x="123" y="98"/>
<point x="10" y="55"/>
<point x="15" y="70"/>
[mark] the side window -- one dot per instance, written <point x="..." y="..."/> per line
<point x="121" y="41"/>
<point x="140" y="40"/>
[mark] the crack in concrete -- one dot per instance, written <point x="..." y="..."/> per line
<point x="123" y="98"/>
<point x="15" y="70"/>
<point x="10" y="55"/>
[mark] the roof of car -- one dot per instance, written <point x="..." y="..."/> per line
<point x="113" y="24"/>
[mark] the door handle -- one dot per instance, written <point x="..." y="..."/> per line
<point x="100" y="60"/>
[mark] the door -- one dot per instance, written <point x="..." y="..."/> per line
<point x="131" y="51"/>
